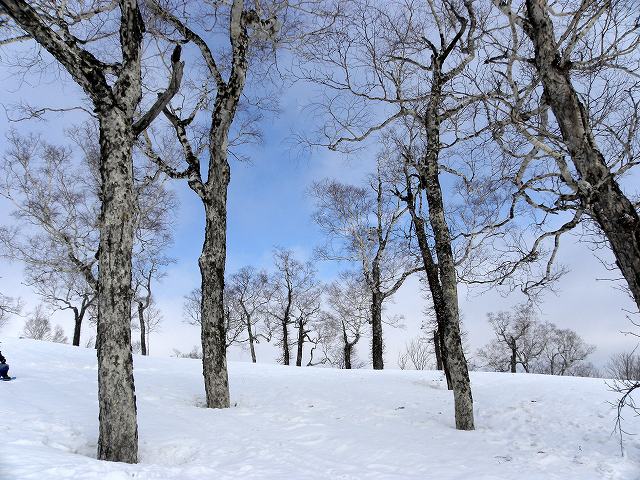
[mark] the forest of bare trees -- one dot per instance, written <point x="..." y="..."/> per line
<point x="491" y="131"/>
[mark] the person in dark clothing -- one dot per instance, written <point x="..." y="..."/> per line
<point x="4" y="368"/>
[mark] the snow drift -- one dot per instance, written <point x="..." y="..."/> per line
<point x="306" y="423"/>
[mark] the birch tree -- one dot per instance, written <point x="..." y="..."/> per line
<point x="56" y="207"/>
<point x="349" y="309"/>
<point x="56" y="233"/>
<point x="249" y="27"/>
<point x="414" y="77"/>
<point x="293" y="283"/>
<point x="113" y="85"/>
<point x="405" y="74"/>
<point x="38" y="327"/>
<point x="574" y="111"/>
<point x="8" y="307"/>
<point x="364" y="226"/>
<point x="520" y="340"/>
<point x="249" y="290"/>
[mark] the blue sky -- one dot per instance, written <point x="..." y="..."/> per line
<point x="269" y="205"/>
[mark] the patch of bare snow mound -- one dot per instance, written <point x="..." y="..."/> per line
<point x="306" y="423"/>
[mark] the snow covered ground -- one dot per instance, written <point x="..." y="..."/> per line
<point x="306" y="423"/>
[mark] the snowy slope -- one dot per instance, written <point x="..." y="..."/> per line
<point x="306" y="423"/>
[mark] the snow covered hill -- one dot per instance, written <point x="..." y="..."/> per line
<point x="306" y="423"/>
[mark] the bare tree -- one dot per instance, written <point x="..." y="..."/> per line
<point x="349" y="306"/>
<point x="56" y="233"/>
<point x="249" y="291"/>
<point x="402" y="65"/>
<point x="564" y="352"/>
<point x="38" y="327"/>
<point x="195" y="353"/>
<point x="417" y="354"/>
<point x="234" y="326"/>
<point x="249" y="26"/>
<point x="292" y="284"/>
<point x="308" y="309"/>
<point x="363" y="225"/>
<point x="520" y="340"/>
<point x="153" y="237"/>
<point x="8" y="307"/>
<point x="624" y="369"/>
<point x="114" y="86"/>
<point x="624" y="366"/>
<point x="576" y="99"/>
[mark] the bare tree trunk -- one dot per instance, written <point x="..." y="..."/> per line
<point x="143" y="336"/>
<point x="436" y="348"/>
<point x="77" y="325"/>
<point x="377" y="344"/>
<point x="347" y="349"/>
<point x="301" y="334"/>
<point x="456" y="362"/>
<point x="285" y="344"/>
<point x="251" y="342"/>
<point x="347" y="356"/>
<point x="433" y="280"/>
<point x="285" y="330"/>
<point x="212" y="263"/>
<point x="513" y="362"/>
<point x="598" y="191"/>
<point x="118" y="438"/>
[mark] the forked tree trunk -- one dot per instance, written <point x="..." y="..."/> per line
<point x="598" y="190"/>
<point x="377" y="343"/>
<point x="212" y="263"/>
<point x="78" y="316"/>
<point x="118" y="437"/>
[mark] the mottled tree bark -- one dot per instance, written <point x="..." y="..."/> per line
<point x="213" y="191"/>
<point x="115" y="106"/>
<point x="456" y="363"/>
<point x="347" y="349"/>
<point x="347" y="356"/>
<point x="441" y="277"/>
<point x="599" y="192"/>
<point x="118" y="439"/>
<point x="433" y="280"/>
<point x="77" y="327"/>
<point x="212" y="265"/>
